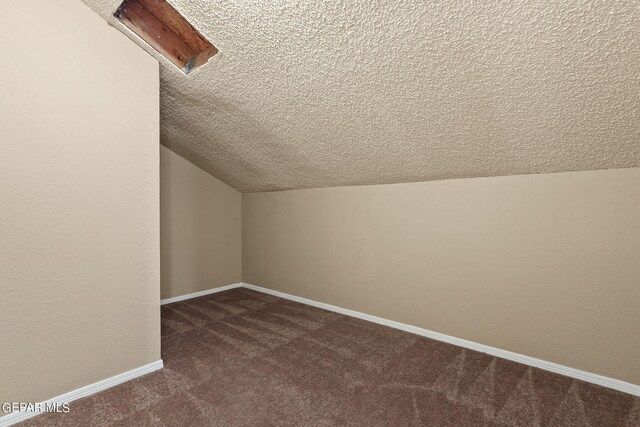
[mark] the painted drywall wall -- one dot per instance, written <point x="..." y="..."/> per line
<point x="543" y="265"/>
<point x="326" y="93"/>
<point x="200" y="228"/>
<point x="79" y="201"/>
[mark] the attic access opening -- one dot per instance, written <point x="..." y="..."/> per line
<point x="167" y="31"/>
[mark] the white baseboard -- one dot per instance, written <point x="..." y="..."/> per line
<point x="85" y="391"/>
<point x="601" y="380"/>
<point x="515" y="357"/>
<point x="200" y="293"/>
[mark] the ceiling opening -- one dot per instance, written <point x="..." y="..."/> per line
<point x="167" y="31"/>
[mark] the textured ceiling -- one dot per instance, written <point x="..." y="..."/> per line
<point x="343" y="92"/>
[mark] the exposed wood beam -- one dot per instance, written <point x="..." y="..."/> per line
<point x="163" y="28"/>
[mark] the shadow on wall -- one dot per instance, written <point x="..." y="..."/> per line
<point x="199" y="228"/>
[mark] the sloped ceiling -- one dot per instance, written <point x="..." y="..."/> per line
<point x="327" y="93"/>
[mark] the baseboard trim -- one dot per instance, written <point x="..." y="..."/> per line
<point x="515" y="357"/>
<point x="601" y="380"/>
<point x="85" y="391"/>
<point x="200" y="293"/>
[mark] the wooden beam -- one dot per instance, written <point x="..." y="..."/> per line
<point x="162" y="27"/>
<point x="177" y="23"/>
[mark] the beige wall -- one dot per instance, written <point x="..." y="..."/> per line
<point x="79" y="221"/>
<point x="543" y="265"/>
<point x="200" y="228"/>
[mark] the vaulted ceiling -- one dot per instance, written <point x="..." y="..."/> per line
<point x="327" y="93"/>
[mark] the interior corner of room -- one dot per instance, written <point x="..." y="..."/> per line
<point x="312" y="227"/>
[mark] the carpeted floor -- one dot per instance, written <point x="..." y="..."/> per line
<point x="242" y="358"/>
